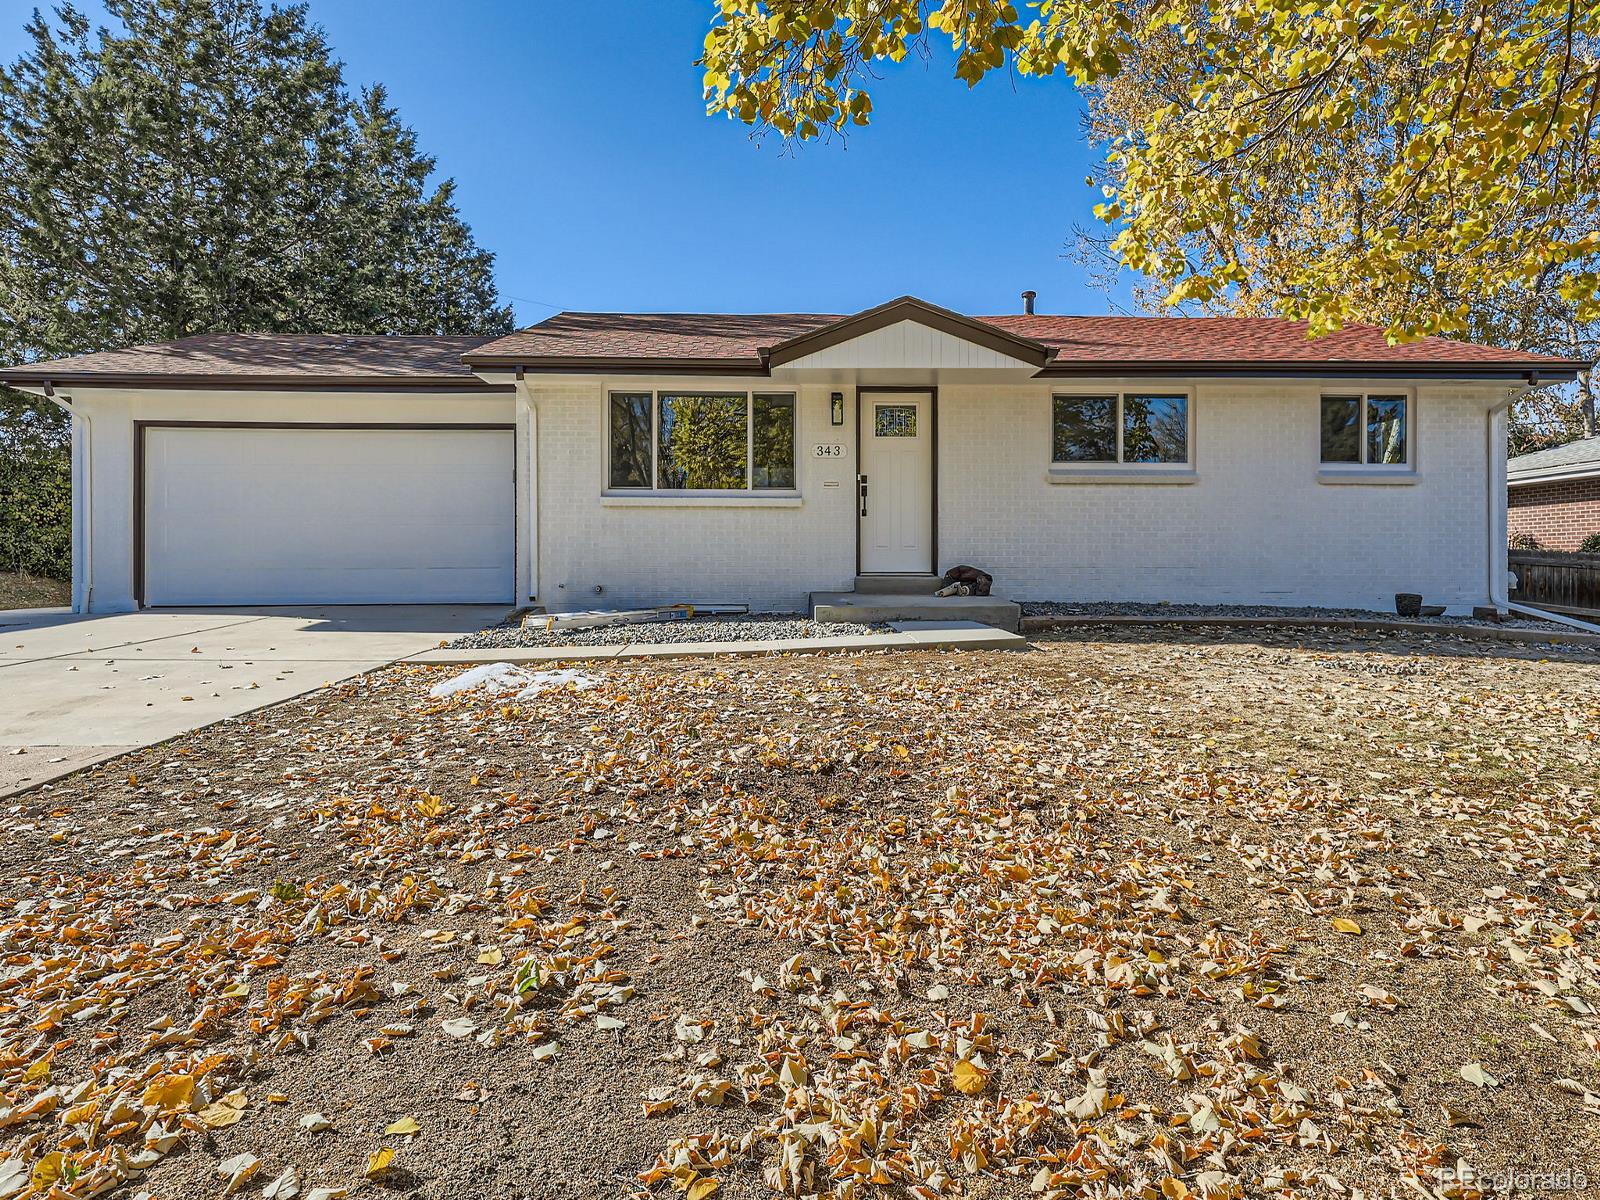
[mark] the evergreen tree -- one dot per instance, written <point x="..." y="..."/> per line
<point x="200" y="167"/>
<point x="417" y="268"/>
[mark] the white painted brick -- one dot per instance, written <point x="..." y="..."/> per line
<point x="1256" y="527"/>
<point x="770" y="558"/>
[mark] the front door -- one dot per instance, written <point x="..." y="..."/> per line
<point x="896" y="483"/>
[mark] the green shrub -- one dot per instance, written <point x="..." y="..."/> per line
<point x="35" y="488"/>
<point x="1590" y="544"/>
<point x="1523" y="541"/>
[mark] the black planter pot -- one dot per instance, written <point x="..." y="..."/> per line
<point x="1408" y="604"/>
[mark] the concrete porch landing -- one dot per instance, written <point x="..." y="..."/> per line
<point x="889" y="606"/>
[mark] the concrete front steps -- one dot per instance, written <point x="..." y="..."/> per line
<point x="897" y="585"/>
<point x="870" y="607"/>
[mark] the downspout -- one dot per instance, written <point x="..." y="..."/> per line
<point x="82" y="513"/>
<point x="531" y="538"/>
<point x="1495" y="500"/>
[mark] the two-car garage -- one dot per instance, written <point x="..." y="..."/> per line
<point x="253" y="514"/>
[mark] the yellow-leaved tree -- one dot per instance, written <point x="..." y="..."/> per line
<point x="1426" y="165"/>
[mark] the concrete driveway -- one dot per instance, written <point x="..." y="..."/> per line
<point x="78" y="689"/>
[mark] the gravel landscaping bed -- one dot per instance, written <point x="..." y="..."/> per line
<point x="760" y="627"/>
<point x="1113" y="608"/>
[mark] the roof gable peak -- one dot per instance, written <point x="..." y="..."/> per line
<point x="908" y="308"/>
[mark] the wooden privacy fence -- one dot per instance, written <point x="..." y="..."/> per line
<point x="1561" y="582"/>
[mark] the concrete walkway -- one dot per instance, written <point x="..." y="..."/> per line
<point x="907" y="635"/>
<point x="75" y="690"/>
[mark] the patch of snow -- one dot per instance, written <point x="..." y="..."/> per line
<point x="507" y="677"/>
<point x="494" y="677"/>
<point x="566" y="677"/>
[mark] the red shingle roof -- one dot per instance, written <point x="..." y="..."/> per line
<point x="737" y="339"/>
<point x="737" y="342"/>
<point x="1238" y="340"/>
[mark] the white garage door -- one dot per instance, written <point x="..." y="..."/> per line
<point x="328" y="516"/>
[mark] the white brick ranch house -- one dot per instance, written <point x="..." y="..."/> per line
<point x="610" y="458"/>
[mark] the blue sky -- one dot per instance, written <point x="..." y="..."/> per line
<point x="584" y="159"/>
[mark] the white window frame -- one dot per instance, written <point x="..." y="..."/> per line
<point x="1363" y="471"/>
<point x="747" y="493"/>
<point x="1121" y="470"/>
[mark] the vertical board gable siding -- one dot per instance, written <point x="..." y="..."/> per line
<point x="909" y="345"/>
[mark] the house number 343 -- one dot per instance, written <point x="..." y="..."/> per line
<point x="832" y="450"/>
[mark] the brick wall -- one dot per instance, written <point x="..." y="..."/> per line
<point x="769" y="555"/>
<point x="1257" y="523"/>
<point x="1558" y="514"/>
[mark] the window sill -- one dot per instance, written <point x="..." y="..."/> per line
<point x="1151" y="473"/>
<point x="774" y="499"/>
<point x="1376" y="476"/>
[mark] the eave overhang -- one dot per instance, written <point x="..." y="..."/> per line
<point x="539" y="365"/>
<point x="253" y="383"/>
<point x="1570" y="474"/>
<point x="1511" y="372"/>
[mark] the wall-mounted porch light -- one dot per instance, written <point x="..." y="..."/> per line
<point x="838" y="408"/>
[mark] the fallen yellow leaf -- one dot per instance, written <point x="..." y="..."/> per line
<point x="970" y="1079"/>
<point x="430" y="807"/>
<point x="1346" y="925"/>
<point x="703" y="1187"/>
<point x="238" y="1171"/>
<point x="224" y="1112"/>
<point x="404" y="1127"/>
<point x="378" y="1163"/>
<point x="47" y="1170"/>
<point x="168" y="1092"/>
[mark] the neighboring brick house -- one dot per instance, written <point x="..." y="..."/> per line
<point x="1555" y="494"/>
<point x="600" y="459"/>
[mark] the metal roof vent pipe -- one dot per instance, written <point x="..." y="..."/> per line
<point x="1028" y="298"/>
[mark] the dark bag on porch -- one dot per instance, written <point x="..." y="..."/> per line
<point x="978" y="581"/>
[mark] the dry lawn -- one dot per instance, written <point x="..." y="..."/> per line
<point x="32" y="591"/>
<point x="1125" y="916"/>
